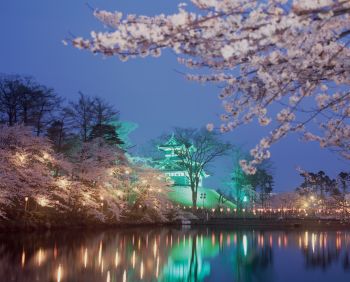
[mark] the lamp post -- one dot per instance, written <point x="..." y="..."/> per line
<point x="25" y="208"/>
<point x="26" y="204"/>
<point x="203" y="196"/>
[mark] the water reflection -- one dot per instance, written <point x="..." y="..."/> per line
<point x="171" y="254"/>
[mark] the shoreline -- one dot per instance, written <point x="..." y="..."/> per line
<point x="268" y="223"/>
<point x="227" y="223"/>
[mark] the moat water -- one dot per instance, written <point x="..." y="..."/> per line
<point x="176" y="254"/>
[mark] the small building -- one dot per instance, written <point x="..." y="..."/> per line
<point x="172" y="165"/>
<point x="181" y="194"/>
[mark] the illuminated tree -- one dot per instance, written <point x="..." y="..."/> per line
<point x="287" y="200"/>
<point x="199" y="148"/>
<point x="286" y="55"/>
<point x="25" y="170"/>
<point x="250" y="187"/>
<point x="343" y="181"/>
<point x="39" y="186"/>
<point x="318" y="187"/>
<point x="148" y="198"/>
<point x="242" y="191"/>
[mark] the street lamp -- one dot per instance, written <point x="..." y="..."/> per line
<point x="26" y="204"/>
<point x="203" y="196"/>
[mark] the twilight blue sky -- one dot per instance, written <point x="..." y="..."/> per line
<point x="146" y="91"/>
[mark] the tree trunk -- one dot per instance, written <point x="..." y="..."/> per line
<point x="194" y="197"/>
<point x="193" y="270"/>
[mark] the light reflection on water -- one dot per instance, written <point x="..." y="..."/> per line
<point x="173" y="254"/>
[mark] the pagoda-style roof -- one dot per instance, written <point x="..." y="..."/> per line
<point x="172" y="165"/>
<point x="168" y="165"/>
<point x="171" y="143"/>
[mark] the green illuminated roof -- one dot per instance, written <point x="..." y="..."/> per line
<point x="172" y="165"/>
<point x="171" y="143"/>
<point x="168" y="164"/>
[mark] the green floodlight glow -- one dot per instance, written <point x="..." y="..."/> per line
<point x="183" y="196"/>
<point x="181" y="192"/>
<point x="245" y="199"/>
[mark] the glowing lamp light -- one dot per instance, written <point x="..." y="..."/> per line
<point x="245" y="244"/>
<point x="46" y="156"/>
<point x="21" y="158"/>
<point x="26" y="199"/>
<point x="42" y="201"/>
<point x="124" y="276"/>
<point x="245" y="199"/>
<point x="63" y="183"/>
<point x="23" y="258"/>
<point x="59" y="273"/>
<point x="213" y="210"/>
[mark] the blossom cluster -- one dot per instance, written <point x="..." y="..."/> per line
<point x="264" y="54"/>
<point x="95" y="183"/>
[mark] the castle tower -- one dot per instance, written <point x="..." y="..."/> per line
<point x="171" y="164"/>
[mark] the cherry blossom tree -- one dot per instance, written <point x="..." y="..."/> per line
<point x="95" y="184"/>
<point x="148" y="196"/>
<point x="289" y="56"/>
<point x="92" y="184"/>
<point x="25" y="169"/>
